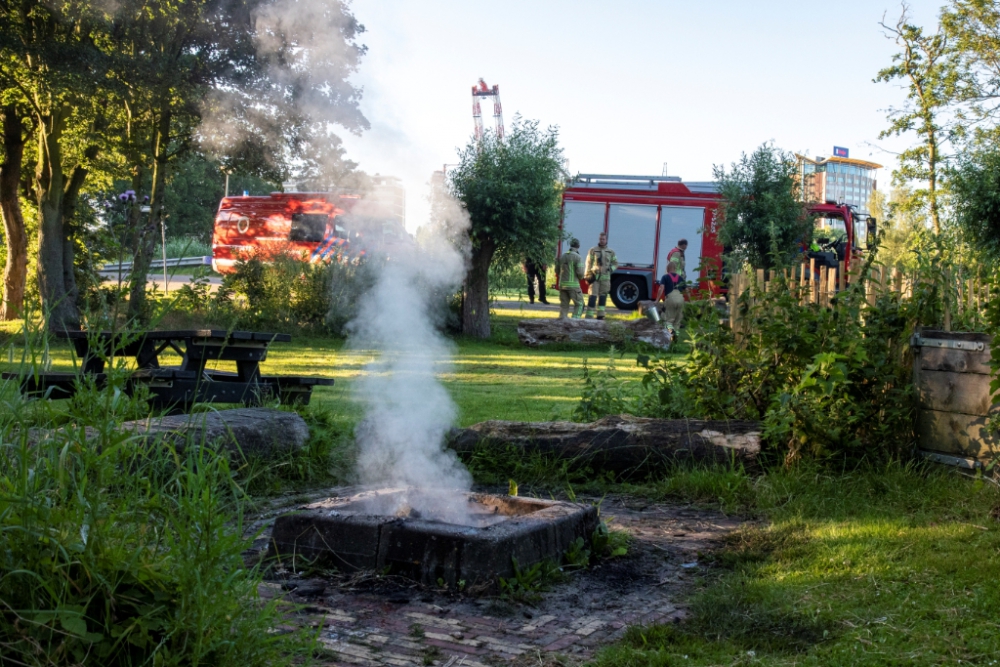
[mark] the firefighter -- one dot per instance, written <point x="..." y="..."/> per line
<point x="672" y="297"/>
<point x="677" y="257"/>
<point x="601" y="263"/>
<point x="571" y="272"/>
<point x="535" y="271"/>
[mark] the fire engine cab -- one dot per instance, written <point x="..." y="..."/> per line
<point x="645" y="217"/>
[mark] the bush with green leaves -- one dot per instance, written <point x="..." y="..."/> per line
<point x="285" y="293"/>
<point x="827" y="381"/>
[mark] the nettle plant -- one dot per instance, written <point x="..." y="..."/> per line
<point x="824" y="380"/>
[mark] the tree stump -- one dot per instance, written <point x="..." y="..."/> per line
<point x="621" y="443"/>
<point x="609" y="332"/>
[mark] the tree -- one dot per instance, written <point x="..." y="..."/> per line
<point x="900" y="223"/>
<point x="511" y="190"/>
<point x="975" y="200"/>
<point x="50" y="55"/>
<point x="763" y="221"/>
<point x="15" y="273"/>
<point x="972" y="28"/>
<point x="925" y="67"/>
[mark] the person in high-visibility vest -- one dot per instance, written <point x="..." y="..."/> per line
<point x="601" y="263"/>
<point x="571" y="272"/>
<point x="677" y="257"/>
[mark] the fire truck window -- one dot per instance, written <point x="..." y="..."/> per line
<point x="308" y="227"/>
<point x="632" y="234"/>
<point x="583" y="221"/>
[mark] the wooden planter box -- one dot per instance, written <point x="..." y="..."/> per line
<point x="952" y="374"/>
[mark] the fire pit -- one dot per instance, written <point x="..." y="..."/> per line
<point x="432" y="536"/>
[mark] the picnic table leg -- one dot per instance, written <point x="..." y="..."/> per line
<point x="248" y="371"/>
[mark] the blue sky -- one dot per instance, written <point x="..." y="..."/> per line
<point x="630" y="84"/>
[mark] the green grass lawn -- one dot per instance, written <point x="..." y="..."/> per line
<point x="888" y="566"/>
<point x="493" y="379"/>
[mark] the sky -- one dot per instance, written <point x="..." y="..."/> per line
<point x="631" y="85"/>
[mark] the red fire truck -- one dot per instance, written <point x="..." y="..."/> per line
<point x="645" y="216"/>
<point x="313" y="226"/>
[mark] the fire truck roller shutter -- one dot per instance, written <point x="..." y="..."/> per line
<point x="632" y="235"/>
<point x="585" y="221"/>
<point x="681" y="222"/>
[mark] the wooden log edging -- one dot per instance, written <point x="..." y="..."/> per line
<point x="545" y="331"/>
<point x="255" y="432"/>
<point x="620" y="443"/>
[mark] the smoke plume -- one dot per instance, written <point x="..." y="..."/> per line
<point x="407" y="410"/>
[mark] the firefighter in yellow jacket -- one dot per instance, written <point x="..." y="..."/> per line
<point x="601" y="263"/>
<point x="570" y="274"/>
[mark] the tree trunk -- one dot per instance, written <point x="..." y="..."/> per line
<point x="145" y="243"/>
<point x="59" y="305"/>
<point x="476" y="299"/>
<point x="606" y="332"/>
<point x="621" y="443"/>
<point x="15" y="271"/>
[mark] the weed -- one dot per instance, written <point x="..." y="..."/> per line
<point x="430" y="654"/>
<point x="416" y="631"/>
<point x="528" y="583"/>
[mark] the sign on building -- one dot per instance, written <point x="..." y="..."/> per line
<point x="840" y="151"/>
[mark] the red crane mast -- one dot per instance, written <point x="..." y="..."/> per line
<point x="483" y="90"/>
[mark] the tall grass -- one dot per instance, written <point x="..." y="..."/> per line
<point x="115" y="550"/>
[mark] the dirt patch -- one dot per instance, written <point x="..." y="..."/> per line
<point x="382" y="620"/>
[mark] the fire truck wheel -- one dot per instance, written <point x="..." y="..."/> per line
<point x="627" y="292"/>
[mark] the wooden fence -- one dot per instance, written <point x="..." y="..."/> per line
<point x="963" y="295"/>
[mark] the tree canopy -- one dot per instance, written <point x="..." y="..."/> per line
<point x="762" y="220"/>
<point x="511" y="189"/>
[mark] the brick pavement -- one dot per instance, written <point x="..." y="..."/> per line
<point x="372" y="621"/>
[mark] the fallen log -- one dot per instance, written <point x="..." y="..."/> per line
<point x="545" y="331"/>
<point x="621" y="443"/>
<point x="256" y="432"/>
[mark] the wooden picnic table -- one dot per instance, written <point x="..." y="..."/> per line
<point x="191" y="382"/>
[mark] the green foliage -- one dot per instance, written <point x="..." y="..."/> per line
<point x="929" y="75"/>
<point x="825" y="381"/>
<point x="605" y="393"/>
<point x="286" y="293"/>
<point x="511" y="190"/>
<point x="975" y="187"/>
<point x="763" y="223"/>
<point x="529" y="583"/>
<point x="607" y="543"/>
<point x="120" y="552"/>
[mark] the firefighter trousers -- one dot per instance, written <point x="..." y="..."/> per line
<point x="673" y="309"/>
<point x="599" y="290"/>
<point x="567" y="294"/>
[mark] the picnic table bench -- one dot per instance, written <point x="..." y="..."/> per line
<point x="178" y="387"/>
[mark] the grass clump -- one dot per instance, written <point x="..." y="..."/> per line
<point x="118" y="551"/>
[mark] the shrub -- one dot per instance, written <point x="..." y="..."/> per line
<point x="284" y="292"/>
<point x="824" y="380"/>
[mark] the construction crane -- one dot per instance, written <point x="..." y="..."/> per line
<point x="482" y="90"/>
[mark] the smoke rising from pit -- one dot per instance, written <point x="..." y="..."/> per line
<point x="407" y="410"/>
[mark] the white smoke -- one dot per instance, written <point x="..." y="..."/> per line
<point x="407" y="411"/>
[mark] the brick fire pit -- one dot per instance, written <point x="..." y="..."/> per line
<point x="472" y="537"/>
